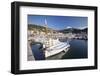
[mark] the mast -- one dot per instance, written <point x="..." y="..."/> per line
<point x="46" y="32"/>
<point x="46" y="27"/>
<point x="49" y="39"/>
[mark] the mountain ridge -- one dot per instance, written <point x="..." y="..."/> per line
<point x="66" y="30"/>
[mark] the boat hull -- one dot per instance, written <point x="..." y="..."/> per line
<point x="62" y="47"/>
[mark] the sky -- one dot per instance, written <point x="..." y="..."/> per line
<point x="59" y="22"/>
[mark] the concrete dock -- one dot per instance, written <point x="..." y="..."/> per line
<point x="30" y="56"/>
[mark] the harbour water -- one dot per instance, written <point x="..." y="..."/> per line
<point x="38" y="52"/>
<point x="78" y="49"/>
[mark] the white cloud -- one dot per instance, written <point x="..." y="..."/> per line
<point x="68" y="27"/>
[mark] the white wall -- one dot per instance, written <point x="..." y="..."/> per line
<point x="5" y="41"/>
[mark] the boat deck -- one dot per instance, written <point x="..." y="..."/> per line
<point x="62" y="46"/>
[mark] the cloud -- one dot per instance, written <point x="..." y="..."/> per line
<point x="68" y="27"/>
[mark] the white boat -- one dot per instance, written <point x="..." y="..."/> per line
<point x="54" y="46"/>
<point x="57" y="48"/>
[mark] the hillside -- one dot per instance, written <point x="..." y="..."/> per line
<point x="38" y="27"/>
<point x="74" y="30"/>
<point x="67" y="30"/>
